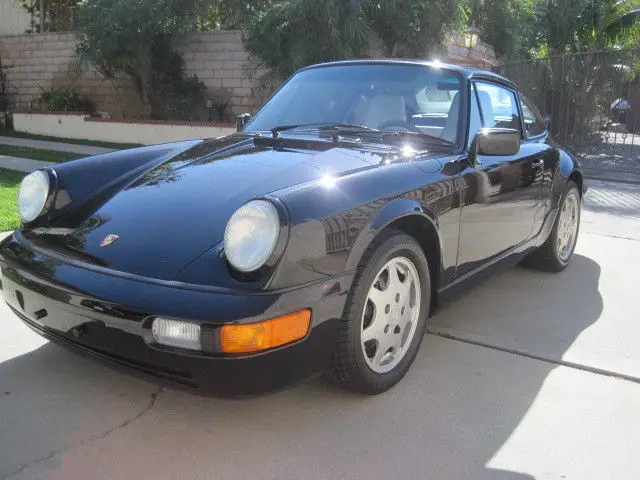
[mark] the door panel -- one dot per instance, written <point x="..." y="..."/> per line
<point x="542" y="147"/>
<point x="546" y="157"/>
<point x="502" y="194"/>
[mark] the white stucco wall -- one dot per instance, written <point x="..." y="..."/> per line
<point x="14" y="20"/>
<point x="75" y="126"/>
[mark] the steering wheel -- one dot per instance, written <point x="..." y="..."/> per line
<point x="398" y="124"/>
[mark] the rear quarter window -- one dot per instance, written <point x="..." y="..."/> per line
<point x="533" y="124"/>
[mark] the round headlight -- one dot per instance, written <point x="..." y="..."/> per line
<point x="34" y="191"/>
<point x="251" y="235"/>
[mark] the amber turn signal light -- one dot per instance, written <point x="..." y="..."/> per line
<point x="254" y="337"/>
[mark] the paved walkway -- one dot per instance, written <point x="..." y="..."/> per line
<point x="59" y="147"/>
<point x="611" y="175"/>
<point x="22" y="164"/>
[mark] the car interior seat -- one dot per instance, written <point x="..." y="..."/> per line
<point x="385" y="109"/>
<point x="487" y="109"/>
<point x="450" y="129"/>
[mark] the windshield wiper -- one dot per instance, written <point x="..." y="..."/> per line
<point x="424" y="136"/>
<point x="337" y="127"/>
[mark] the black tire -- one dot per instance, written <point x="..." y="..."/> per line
<point x="547" y="257"/>
<point x="348" y="367"/>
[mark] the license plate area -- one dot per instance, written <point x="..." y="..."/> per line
<point x="37" y="308"/>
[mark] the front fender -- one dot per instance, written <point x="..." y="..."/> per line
<point x="78" y="180"/>
<point x="333" y="225"/>
<point x="393" y="211"/>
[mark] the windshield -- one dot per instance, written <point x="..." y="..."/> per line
<point x="387" y="97"/>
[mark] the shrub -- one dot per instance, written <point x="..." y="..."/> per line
<point x="139" y="39"/>
<point x="185" y="98"/>
<point x="5" y="114"/>
<point x="64" y="99"/>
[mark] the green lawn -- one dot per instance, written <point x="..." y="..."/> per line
<point x="37" y="154"/>
<point x="9" y="183"/>
<point x="94" y="143"/>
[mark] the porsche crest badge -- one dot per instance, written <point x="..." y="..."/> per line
<point x="108" y="240"/>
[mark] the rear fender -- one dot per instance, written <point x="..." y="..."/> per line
<point x="567" y="167"/>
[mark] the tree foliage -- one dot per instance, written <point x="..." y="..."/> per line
<point x="54" y="17"/>
<point x="230" y="14"/>
<point x="293" y="34"/>
<point x="507" y="25"/>
<point x="410" y="28"/>
<point x="581" y="63"/>
<point x="583" y="25"/>
<point x="312" y="30"/>
<point x="522" y="28"/>
<point x="139" y="39"/>
<point x="286" y="35"/>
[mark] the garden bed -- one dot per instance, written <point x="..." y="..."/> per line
<point x="77" y="125"/>
<point x="73" y="141"/>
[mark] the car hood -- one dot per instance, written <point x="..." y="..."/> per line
<point x="178" y="210"/>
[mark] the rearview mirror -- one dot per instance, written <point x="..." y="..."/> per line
<point x="242" y="120"/>
<point x="494" y="142"/>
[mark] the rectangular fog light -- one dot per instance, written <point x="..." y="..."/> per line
<point x="175" y="333"/>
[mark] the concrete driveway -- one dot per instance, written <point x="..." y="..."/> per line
<point x="531" y="375"/>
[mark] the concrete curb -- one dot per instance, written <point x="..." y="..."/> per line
<point x="25" y="165"/>
<point x="611" y="176"/>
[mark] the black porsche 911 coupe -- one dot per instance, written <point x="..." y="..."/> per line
<point x="316" y="239"/>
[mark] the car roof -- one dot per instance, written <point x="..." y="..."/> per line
<point x="467" y="72"/>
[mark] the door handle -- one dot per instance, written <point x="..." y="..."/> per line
<point x="537" y="163"/>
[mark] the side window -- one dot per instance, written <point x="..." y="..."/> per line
<point x="436" y="110"/>
<point x="498" y="105"/>
<point x="533" y="124"/>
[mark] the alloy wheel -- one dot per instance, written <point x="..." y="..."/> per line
<point x="390" y="314"/>
<point x="568" y="226"/>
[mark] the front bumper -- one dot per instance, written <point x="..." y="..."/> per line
<point x="106" y="315"/>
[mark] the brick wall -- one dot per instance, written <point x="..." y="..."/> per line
<point x="47" y="60"/>
<point x="36" y="59"/>
<point x="220" y="61"/>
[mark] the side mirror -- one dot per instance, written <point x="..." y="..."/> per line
<point x="242" y="120"/>
<point x="494" y="142"/>
<point x="547" y="122"/>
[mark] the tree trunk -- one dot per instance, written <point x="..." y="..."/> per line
<point x="395" y="50"/>
<point x="116" y="87"/>
<point x="142" y="90"/>
<point x="42" y="14"/>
